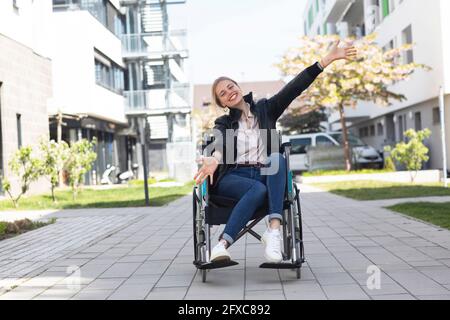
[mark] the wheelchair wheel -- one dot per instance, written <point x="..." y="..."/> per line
<point x="199" y="236"/>
<point x="194" y="223"/>
<point x="299" y="226"/>
<point x="296" y="240"/>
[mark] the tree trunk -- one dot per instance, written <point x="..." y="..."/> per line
<point x="348" y="163"/>
<point x="58" y="140"/>
<point x="53" y="194"/>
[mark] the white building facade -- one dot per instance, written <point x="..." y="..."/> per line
<point x="89" y="82"/>
<point x="397" y="22"/>
<point x="25" y="80"/>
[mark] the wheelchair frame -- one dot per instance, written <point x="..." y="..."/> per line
<point x="293" y="249"/>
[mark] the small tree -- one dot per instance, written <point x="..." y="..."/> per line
<point x="343" y="83"/>
<point x="55" y="156"/>
<point x="81" y="157"/>
<point x="413" y="153"/>
<point x="24" y="165"/>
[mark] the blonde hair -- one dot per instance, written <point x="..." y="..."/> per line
<point x="214" y="96"/>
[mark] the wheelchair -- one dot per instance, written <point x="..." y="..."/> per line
<point x="211" y="209"/>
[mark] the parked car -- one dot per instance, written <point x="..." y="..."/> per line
<point x="363" y="154"/>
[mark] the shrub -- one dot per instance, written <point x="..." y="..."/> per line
<point x="413" y="153"/>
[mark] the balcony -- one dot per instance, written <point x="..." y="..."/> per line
<point x="155" y="45"/>
<point x="335" y="10"/>
<point x="158" y="101"/>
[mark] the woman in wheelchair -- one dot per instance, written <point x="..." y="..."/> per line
<point x="250" y="177"/>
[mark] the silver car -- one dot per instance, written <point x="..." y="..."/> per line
<point x="363" y="154"/>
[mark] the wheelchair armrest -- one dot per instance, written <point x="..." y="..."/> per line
<point x="284" y="146"/>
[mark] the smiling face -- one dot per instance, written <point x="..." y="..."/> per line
<point x="227" y="93"/>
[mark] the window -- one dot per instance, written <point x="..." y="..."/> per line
<point x="19" y="129"/>
<point x="108" y="74"/>
<point x="364" y="132"/>
<point x="323" y="141"/>
<point x="372" y="130"/>
<point x="102" y="74"/>
<point x="417" y="121"/>
<point x="380" y="129"/>
<point x="352" y="140"/>
<point x="401" y="128"/>
<point x="299" y="145"/>
<point x="389" y="46"/>
<point x="408" y="39"/>
<point x="436" y="116"/>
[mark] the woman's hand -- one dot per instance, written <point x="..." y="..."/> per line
<point x="209" y="166"/>
<point x="348" y="52"/>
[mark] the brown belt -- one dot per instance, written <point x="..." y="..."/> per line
<point x="251" y="165"/>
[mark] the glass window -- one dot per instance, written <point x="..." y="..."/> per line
<point x="323" y="141"/>
<point x="408" y="39"/>
<point x="418" y="121"/>
<point x="109" y="77"/>
<point x="19" y="129"/>
<point x="299" y="145"/>
<point x="352" y="140"/>
<point x="380" y="129"/>
<point x="436" y="116"/>
<point x="102" y="74"/>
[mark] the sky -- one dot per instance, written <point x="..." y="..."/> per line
<point x="241" y="39"/>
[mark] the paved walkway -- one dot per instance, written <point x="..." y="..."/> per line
<point x="146" y="253"/>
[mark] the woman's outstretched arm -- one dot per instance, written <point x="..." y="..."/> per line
<point x="279" y="102"/>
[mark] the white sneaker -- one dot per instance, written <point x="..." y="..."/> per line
<point x="272" y="240"/>
<point x="220" y="253"/>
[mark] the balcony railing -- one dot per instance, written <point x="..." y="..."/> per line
<point x="158" y="100"/>
<point x="155" y="45"/>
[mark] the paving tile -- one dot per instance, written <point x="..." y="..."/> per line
<point x="172" y="293"/>
<point x="345" y="292"/>
<point x="146" y="253"/>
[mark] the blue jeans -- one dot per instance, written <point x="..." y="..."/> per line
<point x="251" y="188"/>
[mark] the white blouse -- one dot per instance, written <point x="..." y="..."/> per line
<point x="250" y="148"/>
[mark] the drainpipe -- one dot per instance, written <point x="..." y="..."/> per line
<point x="444" y="149"/>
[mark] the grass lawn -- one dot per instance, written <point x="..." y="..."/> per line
<point x="342" y="172"/>
<point x="377" y="190"/>
<point x="128" y="196"/>
<point x="435" y="213"/>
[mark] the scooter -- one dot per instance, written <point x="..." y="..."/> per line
<point x="106" y="174"/>
<point x="125" y="176"/>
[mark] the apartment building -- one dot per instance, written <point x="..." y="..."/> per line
<point x="89" y="81"/>
<point x="396" y="22"/>
<point x="25" y="80"/>
<point x="157" y="89"/>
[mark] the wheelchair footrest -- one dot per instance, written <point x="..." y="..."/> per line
<point x="281" y="265"/>
<point x="216" y="264"/>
